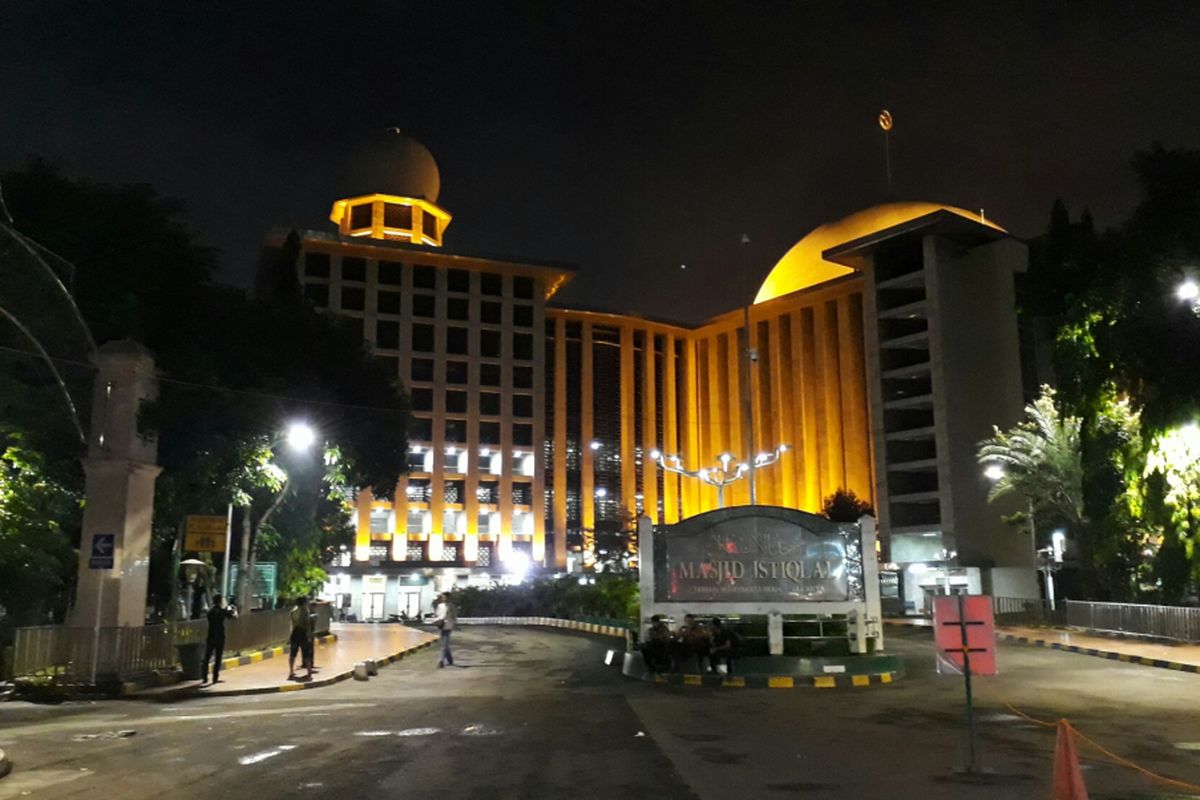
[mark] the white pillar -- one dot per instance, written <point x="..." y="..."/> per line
<point x="874" y="610"/>
<point x="120" y="471"/>
<point x="775" y="633"/>
<point x="645" y="543"/>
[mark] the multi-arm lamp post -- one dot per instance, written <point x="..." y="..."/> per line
<point x="728" y="470"/>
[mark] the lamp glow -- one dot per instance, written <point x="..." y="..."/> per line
<point x="300" y="436"/>
<point x="993" y="472"/>
<point x="1189" y="290"/>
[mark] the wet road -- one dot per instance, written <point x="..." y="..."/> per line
<point x="536" y="714"/>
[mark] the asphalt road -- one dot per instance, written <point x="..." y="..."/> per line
<point x="536" y="714"/>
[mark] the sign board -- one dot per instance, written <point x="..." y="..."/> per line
<point x="264" y="581"/>
<point x="980" y="634"/>
<point x="204" y="534"/>
<point x="765" y="558"/>
<point x="104" y="546"/>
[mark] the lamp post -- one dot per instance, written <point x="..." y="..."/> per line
<point x="994" y="472"/>
<point x="1189" y="292"/>
<point x="728" y="470"/>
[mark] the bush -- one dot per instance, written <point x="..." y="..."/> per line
<point x="610" y="597"/>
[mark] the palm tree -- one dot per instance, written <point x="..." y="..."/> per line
<point x="1040" y="459"/>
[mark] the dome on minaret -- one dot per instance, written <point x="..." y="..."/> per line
<point x="395" y="164"/>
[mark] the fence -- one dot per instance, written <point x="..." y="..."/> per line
<point x="1160" y="622"/>
<point x="73" y="655"/>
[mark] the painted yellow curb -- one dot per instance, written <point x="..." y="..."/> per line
<point x="825" y="681"/>
<point x="780" y="682"/>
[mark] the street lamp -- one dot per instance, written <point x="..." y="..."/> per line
<point x="993" y="472"/>
<point x="729" y="469"/>
<point x="300" y="436"/>
<point x="1189" y="292"/>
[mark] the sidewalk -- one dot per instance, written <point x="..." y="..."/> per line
<point x="1182" y="657"/>
<point x="334" y="661"/>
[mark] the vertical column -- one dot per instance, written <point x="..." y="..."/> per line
<point x="716" y="425"/>
<point x="831" y="395"/>
<point x="738" y="493"/>
<point x="469" y="546"/>
<point x="559" y="510"/>
<point x="587" y="434"/>
<point x="649" y="434"/>
<point x="362" y="528"/>
<point x="690" y="422"/>
<point x="854" y="396"/>
<point x="400" y="528"/>
<point x="628" y="444"/>
<point x="504" y="537"/>
<point x="670" y="443"/>
<point x="805" y="387"/>
<point x="437" y="479"/>
<point x="765" y="413"/>
<point x="784" y="400"/>
<point x="537" y="506"/>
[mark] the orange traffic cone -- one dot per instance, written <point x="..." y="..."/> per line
<point x="1068" y="778"/>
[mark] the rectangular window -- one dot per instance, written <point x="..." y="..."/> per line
<point x="423" y="368"/>
<point x="416" y="463"/>
<point x="456" y="402"/>
<point x="397" y="216"/>
<point x="422" y="398"/>
<point x="458" y="280"/>
<point x="456" y="431"/>
<point x="523" y="316"/>
<point x="490" y="311"/>
<point x="353" y="298"/>
<point x="523" y="435"/>
<point x="387" y="334"/>
<point x="491" y="283"/>
<point x="489" y="433"/>
<point x="387" y="302"/>
<point x="523" y="288"/>
<point x="429" y="225"/>
<point x="360" y="216"/>
<point x="523" y="377"/>
<point x="489" y="374"/>
<point x="316" y="265"/>
<point x="489" y="403"/>
<point x="489" y="344"/>
<point x="424" y="306"/>
<point x="422" y="338"/>
<point x="354" y="269"/>
<point x="317" y="294"/>
<point x="458" y="308"/>
<point x="391" y="273"/>
<point x="424" y="277"/>
<point x="457" y="372"/>
<point x="523" y="346"/>
<point x="457" y="341"/>
<point x="522" y="405"/>
<point x="421" y="429"/>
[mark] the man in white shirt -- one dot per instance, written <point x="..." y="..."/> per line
<point x="445" y="617"/>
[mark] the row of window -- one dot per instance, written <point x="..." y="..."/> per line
<point x="458" y="372"/>
<point x="423" y="305"/>
<point x="390" y="273"/>
<point x="456" y="402"/>
<point x="387" y="335"/>
<point x="488" y="493"/>
<point x="455" y="432"/>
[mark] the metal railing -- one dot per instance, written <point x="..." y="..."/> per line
<point x="1025" y="611"/>
<point x="1161" y="622"/>
<point x="74" y="655"/>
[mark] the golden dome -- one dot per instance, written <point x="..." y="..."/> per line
<point x="803" y="266"/>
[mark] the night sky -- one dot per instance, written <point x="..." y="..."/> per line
<point x="626" y="139"/>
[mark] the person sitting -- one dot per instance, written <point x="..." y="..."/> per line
<point x="691" y="641"/>
<point x="656" y="649"/>
<point x="724" y="646"/>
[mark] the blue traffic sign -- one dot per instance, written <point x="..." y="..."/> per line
<point x="103" y="545"/>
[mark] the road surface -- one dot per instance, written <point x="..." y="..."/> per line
<point x="533" y="713"/>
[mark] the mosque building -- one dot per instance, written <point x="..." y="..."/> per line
<point x="883" y="347"/>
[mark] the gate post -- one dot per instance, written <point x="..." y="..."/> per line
<point x="120" y="470"/>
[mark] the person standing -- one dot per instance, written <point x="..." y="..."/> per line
<point x="445" y="618"/>
<point x="301" y="638"/>
<point x="214" y="642"/>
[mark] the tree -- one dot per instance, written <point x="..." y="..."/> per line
<point x="235" y="368"/>
<point x="846" y="506"/>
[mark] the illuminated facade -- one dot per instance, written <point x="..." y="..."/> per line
<point x="885" y="349"/>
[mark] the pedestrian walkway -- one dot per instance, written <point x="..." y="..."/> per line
<point x="334" y="662"/>
<point x="1184" y="657"/>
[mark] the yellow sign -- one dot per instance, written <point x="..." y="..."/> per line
<point x="204" y="534"/>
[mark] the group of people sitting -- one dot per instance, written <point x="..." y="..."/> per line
<point x="714" y="647"/>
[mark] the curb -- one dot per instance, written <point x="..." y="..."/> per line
<point x="774" y="681"/>
<point x="1110" y="655"/>
<point x="549" y="622"/>
<point x="271" y="652"/>
<point x="5" y="765"/>
<point x="195" y="691"/>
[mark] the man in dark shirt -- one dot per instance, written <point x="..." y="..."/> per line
<point x="724" y="646"/>
<point x="214" y="645"/>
